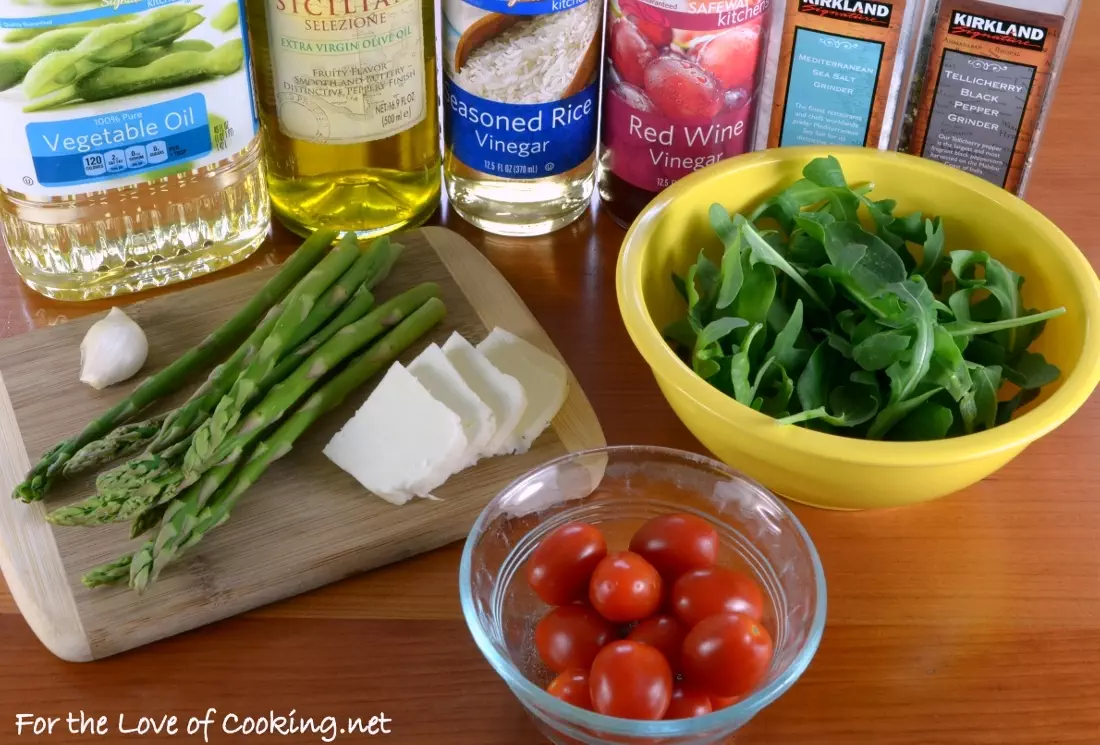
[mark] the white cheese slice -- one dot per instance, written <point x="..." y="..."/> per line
<point x="543" y="377"/>
<point x="402" y="442"/>
<point x="502" y="393"/>
<point x="436" y="373"/>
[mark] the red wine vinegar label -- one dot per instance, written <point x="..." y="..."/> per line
<point x="680" y="85"/>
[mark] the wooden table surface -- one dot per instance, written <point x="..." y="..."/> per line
<point x="974" y="619"/>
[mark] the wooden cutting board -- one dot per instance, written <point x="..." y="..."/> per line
<point x="304" y="524"/>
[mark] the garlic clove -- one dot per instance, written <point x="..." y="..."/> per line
<point x="113" y="350"/>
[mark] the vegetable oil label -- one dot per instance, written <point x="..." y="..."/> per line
<point x="835" y="66"/>
<point x="520" y="95"/>
<point x="988" y="73"/>
<point x="101" y="95"/>
<point x="347" y="71"/>
<point x="681" y="85"/>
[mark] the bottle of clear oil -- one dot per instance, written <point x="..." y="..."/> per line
<point x="520" y="109"/>
<point x="132" y="149"/>
<point x="348" y="105"/>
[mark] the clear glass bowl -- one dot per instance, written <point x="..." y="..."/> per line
<point x="619" y="488"/>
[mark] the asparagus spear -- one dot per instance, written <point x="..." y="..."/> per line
<point x="119" y="442"/>
<point x="208" y="437"/>
<point x="369" y="269"/>
<point x="190" y="521"/>
<point x="171" y="378"/>
<point x="284" y="395"/>
<point x="108" y="574"/>
<point x="361" y="302"/>
<point x="184" y="420"/>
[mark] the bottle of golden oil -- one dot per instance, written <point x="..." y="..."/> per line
<point x="347" y="101"/>
<point x="111" y="179"/>
<point x="520" y="109"/>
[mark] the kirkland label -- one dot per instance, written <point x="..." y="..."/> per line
<point x="989" y="70"/>
<point x="831" y="91"/>
<point x="520" y="92"/>
<point x="835" y="66"/>
<point x="119" y="121"/>
<point x="977" y="113"/>
<point x="680" y="86"/>
<point x="347" y="71"/>
<point x="875" y="14"/>
<point x="82" y="151"/>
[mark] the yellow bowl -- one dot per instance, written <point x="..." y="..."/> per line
<point x="827" y="470"/>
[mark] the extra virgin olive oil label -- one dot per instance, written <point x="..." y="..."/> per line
<point x="520" y="90"/>
<point x="100" y="97"/>
<point x="836" y="68"/>
<point x="347" y="71"/>
<point x="681" y="84"/>
<point x="987" y="78"/>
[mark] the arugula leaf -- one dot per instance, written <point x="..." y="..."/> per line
<point x="963" y="266"/>
<point x="917" y="301"/>
<point x="813" y="383"/>
<point x="757" y="292"/>
<point x="933" y="246"/>
<point x="681" y="332"/>
<point x="776" y="404"/>
<point x="879" y="351"/>
<point x="929" y="421"/>
<point x="708" y="345"/>
<point x="783" y="349"/>
<point x="762" y="252"/>
<point x="852" y="405"/>
<point x="947" y="368"/>
<point x="740" y="369"/>
<point x="731" y="273"/>
<point x="1007" y="409"/>
<point x="895" y="412"/>
<point x="983" y="352"/>
<point x="680" y="285"/>
<point x="909" y="228"/>
<point x="872" y="263"/>
<point x="848" y="320"/>
<point x="839" y="343"/>
<point x="825" y="172"/>
<point x="814" y="224"/>
<point x="979" y="406"/>
<point x="1031" y="371"/>
<point x="970" y="328"/>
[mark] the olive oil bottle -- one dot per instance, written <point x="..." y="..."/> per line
<point x="347" y="103"/>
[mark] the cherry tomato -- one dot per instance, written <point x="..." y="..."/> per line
<point x="707" y="592"/>
<point x="631" y="681"/>
<point x="665" y="634"/>
<point x="561" y="565"/>
<point x="570" y="636"/>
<point x="625" y="587"/>
<point x="572" y="688"/>
<point x="721" y="702"/>
<point x="687" y="703"/>
<point x="727" y="654"/>
<point x="675" y="544"/>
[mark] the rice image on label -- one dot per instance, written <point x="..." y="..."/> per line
<point x="534" y="60"/>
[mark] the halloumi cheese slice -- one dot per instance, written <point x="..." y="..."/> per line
<point x="543" y="377"/>
<point x="402" y="442"/>
<point x="502" y="393"/>
<point x="439" y="376"/>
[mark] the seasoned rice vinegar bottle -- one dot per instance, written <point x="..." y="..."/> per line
<point x="131" y="153"/>
<point x="347" y="98"/>
<point x="520" y="104"/>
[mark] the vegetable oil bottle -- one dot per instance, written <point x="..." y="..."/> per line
<point x="131" y="155"/>
<point x="347" y="100"/>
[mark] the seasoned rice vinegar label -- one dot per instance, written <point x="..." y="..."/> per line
<point x="520" y="88"/>
<point x="347" y="71"/>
